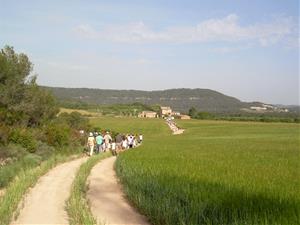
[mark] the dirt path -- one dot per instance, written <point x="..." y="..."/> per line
<point x="107" y="200"/>
<point x="173" y="126"/>
<point x="45" y="202"/>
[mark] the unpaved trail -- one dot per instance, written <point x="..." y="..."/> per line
<point x="105" y="195"/>
<point x="174" y="128"/>
<point x="45" y="202"/>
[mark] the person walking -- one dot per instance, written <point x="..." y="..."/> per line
<point x="130" y="141"/>
<point x="124" y="143"/>
<point x="114" y="148"/>
<point x="107" y="140"/>
<point x="119" y="139"/>
<point x="91" y="143"/>
<point x="99" y="142"/>
<point x="140" y="139"/>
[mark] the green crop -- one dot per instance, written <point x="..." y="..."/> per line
<point x="215" y="173"/>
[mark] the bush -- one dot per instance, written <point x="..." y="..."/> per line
<point x="12" y="151"/>
<point x="31" y="160"/>
<point x="204" y="115"/>
<point x="44" y="150"/>
<point x="4" y="134"/>
<point x="75" y="120"/>
<point x="13" y="159"/>
<point x="57" y="135"/>
<point x="24" y="138"/>
<point x="77" y="139"/>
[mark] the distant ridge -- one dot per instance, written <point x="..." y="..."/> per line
<point x="179" y="99"/>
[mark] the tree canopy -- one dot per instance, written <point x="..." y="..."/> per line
<point x="22" y="102"/>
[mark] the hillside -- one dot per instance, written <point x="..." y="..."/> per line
<point x="178" y="99"/>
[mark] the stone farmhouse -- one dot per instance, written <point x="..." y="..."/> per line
<point x="148" y="114"/>
<point x="165" y="111"/>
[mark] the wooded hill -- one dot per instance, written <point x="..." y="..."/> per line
<point x="179" y="99"/>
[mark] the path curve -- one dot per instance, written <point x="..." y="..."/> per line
<point x="45" y="202"/>
<point x="108" y="204"/>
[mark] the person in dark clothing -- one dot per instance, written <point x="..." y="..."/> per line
<point x="119" y="140"/>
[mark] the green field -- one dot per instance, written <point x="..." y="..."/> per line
<point x="215" y="173"/>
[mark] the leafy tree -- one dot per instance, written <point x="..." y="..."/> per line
<point x="75" y="120"/>
<point x="204" y="115"/>
<point x="58" y="134"/>
<point x="193" y="112"/>
<point x="22" y="102"/>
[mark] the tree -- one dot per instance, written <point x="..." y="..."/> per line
<point x="204" y="115"/>
<point x="21" y="100"/>
<point x="75" y="120"/>
<point x="193" y="112"/>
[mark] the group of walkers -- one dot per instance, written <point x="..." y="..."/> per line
<point x="172" y="125"/>
<point x="101" y="142"/>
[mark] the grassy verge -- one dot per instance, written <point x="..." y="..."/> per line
<point x="8" y="172"/>
<point x="77" y="206"/>
<point x="25" y="179"/>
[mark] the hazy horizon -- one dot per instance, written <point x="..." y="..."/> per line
<point x="257" y="100"/>
<point x="249" y="51"/>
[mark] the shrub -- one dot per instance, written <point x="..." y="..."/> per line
<point x="4" y="134"/>
<point x="44" y="150"/>
<point x="75" y="120"/>
<point x="77" y="139"/>
<point x="13" y="159"/>
<point x="31" y="160"/>
<point x="12" y="151"/>
<point x="57" y="135"/>
<point x="204" y="115"/>
<point x="24" y="138"/>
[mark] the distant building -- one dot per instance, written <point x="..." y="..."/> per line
<point x="282" y="110"/>
<point x="258" y="108"/>
<point x="184" y="117"/>
<point x="147" y="114"/>
<point x="165" y="111"/>
<point x="175" y="113"/>
<point x="270" y="107"/>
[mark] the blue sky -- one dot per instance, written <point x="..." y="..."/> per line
<point x="246" y="49"/>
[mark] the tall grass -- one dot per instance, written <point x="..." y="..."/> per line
<point x="215" y="173"/>
<point x="25" y="179"/>
<point x="77" y="206"/>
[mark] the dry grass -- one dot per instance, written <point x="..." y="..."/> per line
<point x="81" y="111"/>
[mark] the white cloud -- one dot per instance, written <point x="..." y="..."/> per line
<point x="66" y="66"/>
<point x="86" y="31"/>
<point x="227" y="49"/>
<point x="218" y="29"/>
